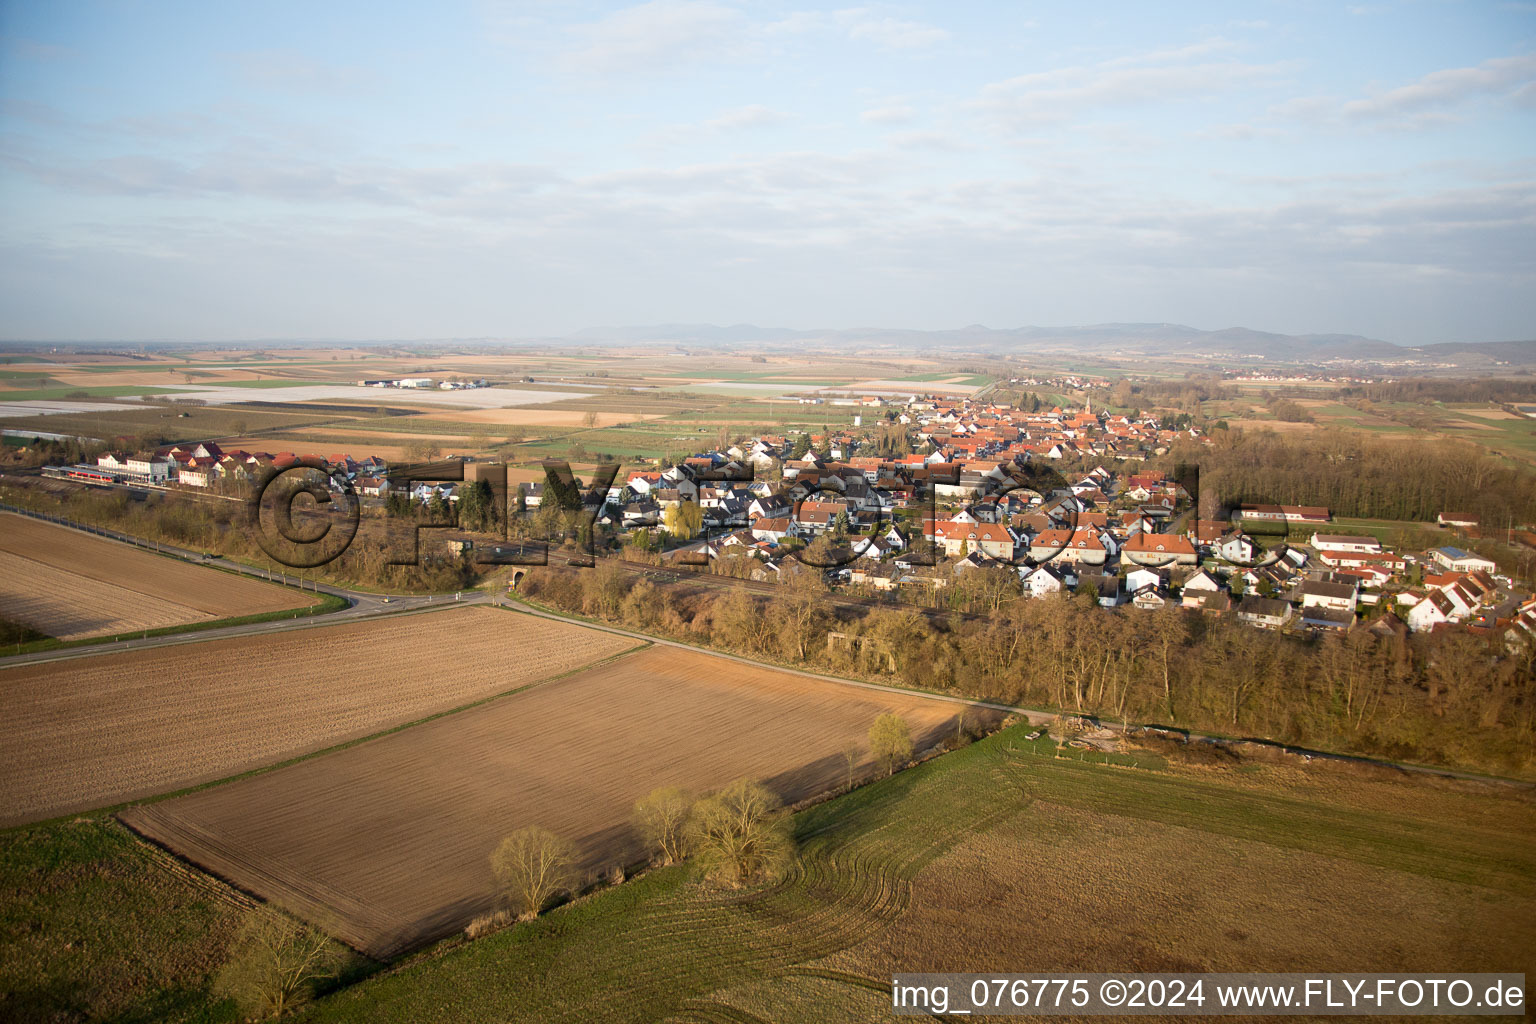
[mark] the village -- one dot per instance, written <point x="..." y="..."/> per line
<point x="936" y="488"/>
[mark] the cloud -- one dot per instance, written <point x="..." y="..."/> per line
<point x="655" y="36"/>
<point x="1501" y="76"/>
<point x="888" y="115"/>
<point x="892" y="33"/>
<point x="266" y="175"/>
<point x="740" y="119"/>
<point x="862" y="24"/>
<point x="1152" y="77"/>
<point x="752" y="116"/>
<point x="1431" y="101"/>
<point x="932" y="141"/>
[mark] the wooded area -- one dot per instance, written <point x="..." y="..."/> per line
<point x="1450" y="698"/>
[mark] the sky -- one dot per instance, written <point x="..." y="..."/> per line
<point x="504" y="169"/>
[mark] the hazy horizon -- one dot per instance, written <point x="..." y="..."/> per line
<point x="517" y="170"/>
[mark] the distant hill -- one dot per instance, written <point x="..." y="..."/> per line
<point x="1129" y="341"/>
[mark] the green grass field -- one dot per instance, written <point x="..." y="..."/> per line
<point x="1388" y="531"/>
<point x="175" y="422"/>
<point x="96" y="926"/>
<point x="65" y="393"/>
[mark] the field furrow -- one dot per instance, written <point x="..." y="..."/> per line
<point x="101" y="730"/>
<point x="72" y="585"/>
<point x="408" y="822"/>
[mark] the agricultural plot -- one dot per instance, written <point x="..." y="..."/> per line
<point x="100" y="730"/>
<point x="386" y="844"/>
<point x="108" y="420"/>
<point x="67" y="606"/>
<point x="1001" y="856"/>
<point x="72" y="586"/>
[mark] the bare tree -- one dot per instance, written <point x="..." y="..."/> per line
<point x="590" y="419"/>
<point x="533" y="865"/>
<point x="890" y="740"/>
<point x="742" y="833"/>
<point x="275" y="963"/>
<point x="662" y="818"/>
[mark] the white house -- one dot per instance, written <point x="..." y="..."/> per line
<point x="1205" y="580"/>
<point x="1337" y="543"/>
<point x="1141" y="578"/>
<point x="1430" y="612"/>
<point x="1264" y="612"/>
<point x="1323" y="594"/>
<point x="1237" y="549"/>
<point x="1457" y="560"/>
<point x="1041" y="581"/>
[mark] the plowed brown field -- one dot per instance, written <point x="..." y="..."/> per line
<point x="71" y="585"/>
<point x="94" y="731"/>
<point x="386" y="844"/>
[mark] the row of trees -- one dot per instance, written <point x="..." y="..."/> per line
<point x="1424" y="390"/>
<point x="737" y="836"/>
<point x="1451" y="698"/>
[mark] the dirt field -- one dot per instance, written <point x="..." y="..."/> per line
<point x="547" y="417"/>
<point x="386" y="844"/>
<point x="1279" y="426"/>
<point x="100" y="730"/>
<point x="71" y="585"/>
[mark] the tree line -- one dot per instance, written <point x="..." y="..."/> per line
<point x="1357" y="475"/>
<point x="1450" y="698"/>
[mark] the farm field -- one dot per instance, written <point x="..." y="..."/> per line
<point x="386" y="844"/>
<point x="1001" y="856"/>
<point x="72" y="586"/>
<point x="95" y="731"/>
